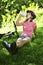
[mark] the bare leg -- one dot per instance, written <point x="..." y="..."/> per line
<point x="20" y="42"/>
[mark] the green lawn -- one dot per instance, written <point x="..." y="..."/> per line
<point x="29" y="54"/>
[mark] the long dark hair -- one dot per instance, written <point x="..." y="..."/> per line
<point x="32" y="14"/>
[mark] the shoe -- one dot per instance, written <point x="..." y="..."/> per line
<point x="7" y="46"/>
<point x="11" y="48"/>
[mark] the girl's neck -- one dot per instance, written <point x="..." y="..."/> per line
<point x="29" y="21"/>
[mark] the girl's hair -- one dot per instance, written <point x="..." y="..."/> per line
<point x="32" y="14"/>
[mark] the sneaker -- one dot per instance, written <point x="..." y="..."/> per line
<point x="7" y="46"/>
<point x="11" y="48"/>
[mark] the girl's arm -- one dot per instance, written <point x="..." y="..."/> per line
<point x="35" y="33"/>
<point x="18" y="23"/>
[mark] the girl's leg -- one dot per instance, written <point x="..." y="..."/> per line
<point x="10" y="47"/>
<point x="20" y="42"/>
<point x="13" y="47"/>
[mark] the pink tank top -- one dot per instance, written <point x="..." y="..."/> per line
<point x="28" y="28"/>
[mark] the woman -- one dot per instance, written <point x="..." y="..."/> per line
<point x="29" y="27"/>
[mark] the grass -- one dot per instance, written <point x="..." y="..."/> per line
<point x="29" y="54"/>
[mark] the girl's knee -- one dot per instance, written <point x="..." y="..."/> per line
<point x="27" y="39"/>
<point x="18" y="45"/>
<point x="19" y="42"/>
<point x="19" y="39"/>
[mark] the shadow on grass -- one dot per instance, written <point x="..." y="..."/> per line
<point x="30" y="54"/>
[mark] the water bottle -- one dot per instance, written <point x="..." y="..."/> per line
<point x="23" y="13"/>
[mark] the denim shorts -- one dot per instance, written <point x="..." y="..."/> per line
<point x="22" y="36"/>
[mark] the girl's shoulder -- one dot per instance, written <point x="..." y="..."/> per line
<point x="34" y="24"/>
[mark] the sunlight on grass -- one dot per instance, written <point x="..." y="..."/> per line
<point x="31" y="64"/>
<point x="4" y="50"/>
<point x="6" y="29"/>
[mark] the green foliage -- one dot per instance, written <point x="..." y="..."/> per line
<point x="40" y="2"/>
<point x="1" y="19"/>
<point x="9" y="10"/>
<point x="12" y="6"/>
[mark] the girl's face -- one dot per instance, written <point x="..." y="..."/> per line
<point x="28" y="15"/>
